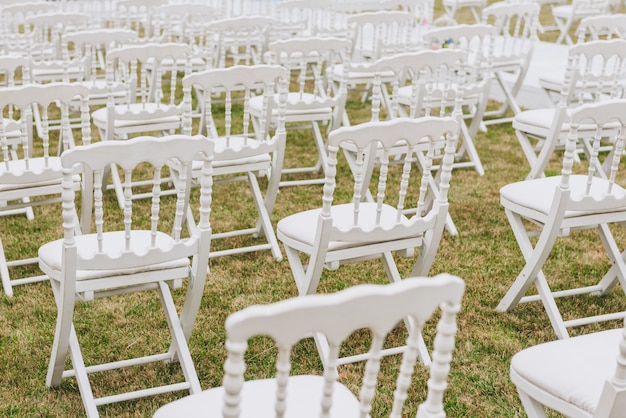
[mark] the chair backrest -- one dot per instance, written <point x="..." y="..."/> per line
<point x="312" y="62"/>
<point x="238" y="40"/>
<point x="607" y="121"/>
<point x="226" y="93"/>
<point x="428" y="82"/>
<point x="516" y="31"/>
<point x="477" y="40"/>
<point x="15" y="70"/>
<point x="595" y="70"/>
<point x="46" y="30"/>
<point x="27" y="158"/>
<point x="142" y="225"/>
<point x="583" y="8"/>
<point x="181" y="22"/>
<point x="380" y="33"/>
<point x="410" y="212"/>
<point x="152" y="74"/>
<point x="606" y="26"/>
<point x="376" y="307"/>
<point x="136" y="15"/>
<point x="91" y="46"/>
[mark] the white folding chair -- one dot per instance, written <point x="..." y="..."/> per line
<point x="595" y="71"/>
<point x="360" y="230"/>
<point x="377" y="308"/>
<point x="136" y="249"/>
<point x="375" y="35"/>
<point x="30" y="171"/>
<point x="516" y="27"/>
<point x="12" y="35"/>
<point x="151" y="74"/>
<point x="565" y="15"/>
<point x="248" y="145"/>
<point x="136" y="15"/>
<point x="313" y="100"/>
<point x="560" y="205"/>
<point x="417" y="84"/>
<point x="478" y="42"/>
<point x="590" y="28"/>
<point x="45" y="31"/>
<point x="579" y="377"/>
<point x="90" y="47"/>
<point x="237" y="40"/>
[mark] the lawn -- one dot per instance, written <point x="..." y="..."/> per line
<point x="484" y="254"/>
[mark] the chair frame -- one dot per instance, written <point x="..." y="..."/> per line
<point x="427" y="223"/>
<point x="561" y="217"/>
<point x="69" y="286"/>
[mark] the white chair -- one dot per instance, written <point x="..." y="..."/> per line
<point x="131" y="250"/>
<point x="45" y="31"/>
<point x="313" y="100"/>
<point x="360" y="230"/>
<point x="12" y="35"/>
<point x="378" y="308"/>
<point x="246" y="145"/>
<point x="565" y="15"/>
<point x="590" y="28"/>
<point x="595" y="71"/>
<point x="136" y="15"/>
<point x="478" y="42"/>
<point x="561" y="205"/>
<point x="237" y="41"/>
<point x="417" y="84"/>
<point x="375" y="35"/>
<point x="182" y="22"/>
<point x="152" y="104"/>
<point x="606" y="26"/>
<point x="516" y="26"/>
<point x="90" y="47"/>
<point x="579" y="377"/>
<point x="30" y="171"/>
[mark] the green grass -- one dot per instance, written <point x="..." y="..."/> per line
<point x="484" y="254"/>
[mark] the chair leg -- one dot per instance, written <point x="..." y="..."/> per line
<point x="564" y="28"/>
<point x="470" y="149"/>
<point x="4" y="273"/>
<point x="82" y="379"/>
<point x="264" y="223"/>
<point x="179" y="340"/>
<point x="65" y="297"/>
<point x="532" y="273"/>
<point x="617" y="273"/>
<point x="533" y="408"/>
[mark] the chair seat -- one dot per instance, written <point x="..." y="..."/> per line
<point x="258" y="398"/>
<point x="361" y="71"/>
<point x="552" y="80"/>
<point x="152" y="115"/>
<point x="302" y="226"/>
<point x="537" y="122"/>
<point x="297" y="105"/>
<point x="549" y="367"/>
<point x="236" y="142"/>
<point x="50" y="257"/>
<point x="537" y="194"/>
